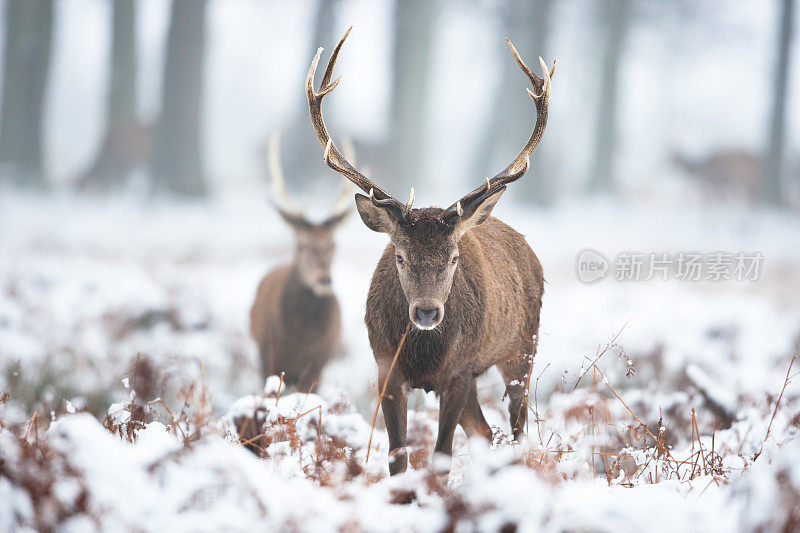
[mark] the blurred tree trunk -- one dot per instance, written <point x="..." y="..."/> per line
<point x="777" y="124"/>
<point x="300" y="136"/>
<point x="527" y="24"/>
<point x="29" y="26"/>
<point x="615" y="20"/>
<point x="125" y="142"/>
<point x="176" y="163"/>
<point x="413" y="41"/>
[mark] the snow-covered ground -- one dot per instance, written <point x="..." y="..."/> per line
<point x="88" y="286"/>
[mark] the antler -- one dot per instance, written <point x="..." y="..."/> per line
<point x="276" y="177"/>
<point x="519" y="166"/>
<point x="332" y="156"/>
<point x="281" y="196"/>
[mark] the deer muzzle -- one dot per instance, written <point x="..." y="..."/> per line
<point x="426" y="316"/>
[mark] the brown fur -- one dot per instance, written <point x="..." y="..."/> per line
<point x="296" y="330"/>
<point x="491" y="317"/>
<point x="484" y="323"/>
<point x="295" y="317"/>
<point x="470" y="285"/>
<point x="731" y="174"/>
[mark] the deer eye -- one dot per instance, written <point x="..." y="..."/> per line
<point x="454" y="260"/>
<point x="399" y="259"/>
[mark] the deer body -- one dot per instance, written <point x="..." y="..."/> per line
<point x="295" y="319"/>
<point x="296" y="330"/>
<point x="483" y="324"/>
<point x="732" y="174"/>
<point x="454" y="293"/>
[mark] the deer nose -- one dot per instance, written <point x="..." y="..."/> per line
<point x="325" y="281"/>
<point x="426" y="318"/>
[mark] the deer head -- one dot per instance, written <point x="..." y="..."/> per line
<point x="425" y="240"/>
<point x="314" y="243"/>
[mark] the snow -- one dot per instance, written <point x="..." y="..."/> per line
<point x="90" y="286"/>
<point x="158" y="483"/>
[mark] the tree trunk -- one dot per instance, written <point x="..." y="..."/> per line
<point x="125" y="142"/>
<point x="526" y="23"/>
<point x="413" y="36"/>
<point x="27" y="63"/>
<point x="300" y="136"/>
<point x="616" y="22"/>
<point x="777" y="124"/>
<point x="176" y="165"/>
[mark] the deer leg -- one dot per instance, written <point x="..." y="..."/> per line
<point x="472" y="419"/>
<point x="515" y="375"/>
<point x="394" y="405"/>
<point x="451" y="406"/>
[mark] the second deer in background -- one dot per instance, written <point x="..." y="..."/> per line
<point x="295" y="318"/>
<point x="725" y="175"/>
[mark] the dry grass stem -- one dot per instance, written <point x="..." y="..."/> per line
<point x="777" y="404"/>
<point x="383" y="389"/>
<point x="280" y="386"/>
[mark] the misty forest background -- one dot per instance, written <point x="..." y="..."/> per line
<point x="135" y="227"/>
<point x="179" y="97"/>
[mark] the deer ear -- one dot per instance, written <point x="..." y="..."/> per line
<point x="295" y="220"/>
<point x="376" y="217"/>
<point x="477" y="213"/>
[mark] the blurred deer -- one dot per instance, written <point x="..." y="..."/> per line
<point x="295" y="317"/>
<point x="728" y="174"/>
<point x="455" y="292"/>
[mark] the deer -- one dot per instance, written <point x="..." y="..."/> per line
<point x="455" y="292"/>
<point x="295" y="318"/>
<point x="733" y="174"/>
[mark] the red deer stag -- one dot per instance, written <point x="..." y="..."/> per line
<point x="295" y="318"/>
<point x="470" y="285"/>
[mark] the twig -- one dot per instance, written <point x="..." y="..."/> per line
<point x="605" y="380"/>
<point x="298" y="417"/>
<point x="280" y="385"/>
<point x="251" y="440"/>
<point x="777" y="404"/>
<point x="600" y="354"/>
<point x="536" y="404"/>
<point x="383" y="390"/>
<point x="173" y="420"/>
<point x="699" y="442"/>
<point x="591" y="411"/>
<point x="308" y="393"/>
<point x="30" y="425"/>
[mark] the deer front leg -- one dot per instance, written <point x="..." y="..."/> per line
<point x="515" y="375"/>
<point x="451" y="405"/>
<point x="394" y="405"/>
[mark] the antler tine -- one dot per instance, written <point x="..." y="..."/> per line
<point x="332" y="156"/>
<point x="520" y="165"/>
<point x="276" y="176"/>
<point x="383" y="201"/>
<point x="326" y="78"/>
<point x="410" y="201"/>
